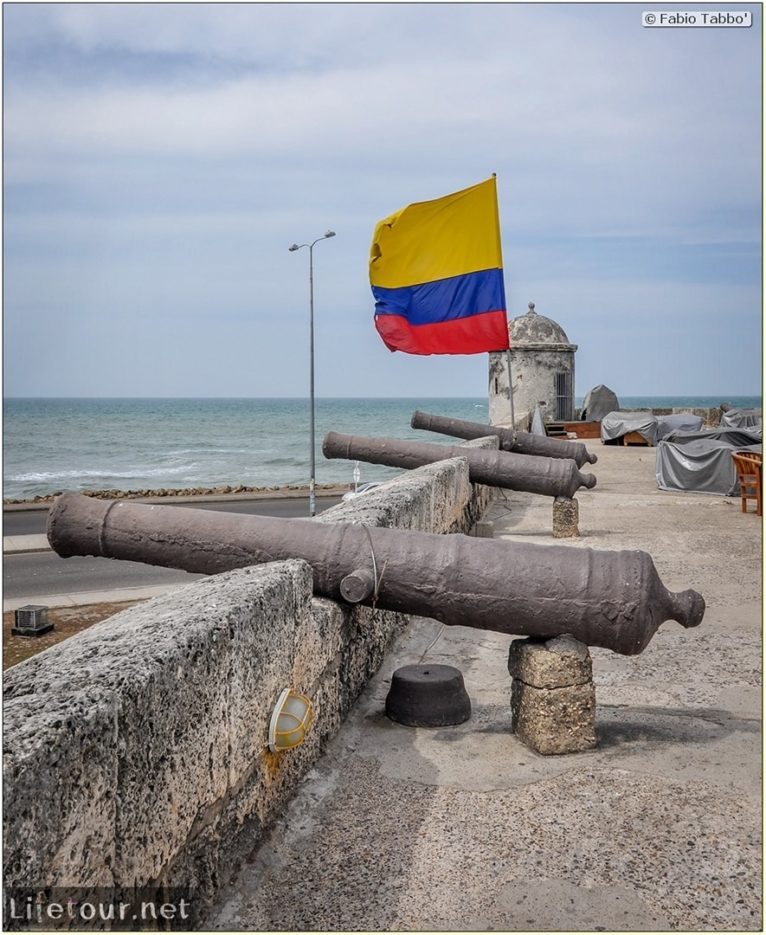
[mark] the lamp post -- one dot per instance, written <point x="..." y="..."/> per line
<point x="295" y="246"/>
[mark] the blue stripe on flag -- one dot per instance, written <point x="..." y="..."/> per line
<point x="444" y="299"/>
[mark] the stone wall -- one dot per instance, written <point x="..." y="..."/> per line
<point x="135" y="753"/>
<point x="710" y="417"/>
<point x="534" y="382"/>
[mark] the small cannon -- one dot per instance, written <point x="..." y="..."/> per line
<point x="610" y="599"/>
<point x="519" y="442"/>
<point x="551" y="477"/>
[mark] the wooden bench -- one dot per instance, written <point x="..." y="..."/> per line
<point x="580" y="429"/>
<point x="748" y="467"/>
<point x="634" y="438"/>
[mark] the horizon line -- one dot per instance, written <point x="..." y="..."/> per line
<point x="708" y="395"/>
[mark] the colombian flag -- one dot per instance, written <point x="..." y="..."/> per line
<point x="436" y="271"/>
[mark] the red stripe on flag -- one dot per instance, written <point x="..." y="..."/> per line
<point x="478" y="334"/>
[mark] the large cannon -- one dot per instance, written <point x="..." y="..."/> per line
<point x="520" y="442"/>
<point x="552" y="477"/>
<point x="610" y="599"/>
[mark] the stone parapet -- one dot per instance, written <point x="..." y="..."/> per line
<point x="135" y="753"/>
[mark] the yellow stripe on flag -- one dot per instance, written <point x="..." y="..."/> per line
<point x="430" y="240"/>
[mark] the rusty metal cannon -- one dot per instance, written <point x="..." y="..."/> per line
<point x="519" y="442"/>
<point x="551" y="477"/>
<point x="610" y="599"/>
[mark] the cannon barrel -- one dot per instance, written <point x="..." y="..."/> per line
<point x="519" y="442"/>
<point x="551" y="477"/>
<point x="610" y="599"/>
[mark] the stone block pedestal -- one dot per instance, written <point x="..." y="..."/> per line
<point x="566" y="515"/>
<point x="553" y="699"/>
<point x="483" y="529"/>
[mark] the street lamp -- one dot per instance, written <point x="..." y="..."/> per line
<point x="295" y="246"/>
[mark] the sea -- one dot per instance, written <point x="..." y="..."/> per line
<point x="52" y="445"/>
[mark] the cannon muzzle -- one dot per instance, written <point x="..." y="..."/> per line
<point x="551" y="477"/>
<point x="519" y="442"/>
<point x="610" y="599"/>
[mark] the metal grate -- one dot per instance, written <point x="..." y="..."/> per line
<point x="564" y="397"/>
<point x="31" y="620"/>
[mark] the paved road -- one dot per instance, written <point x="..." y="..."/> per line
<point x="34" y="574"/>
<point x="44" y="573"/>
<point x="32" y="522"/>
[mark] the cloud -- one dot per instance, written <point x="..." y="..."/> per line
<point x="160" y="157"/>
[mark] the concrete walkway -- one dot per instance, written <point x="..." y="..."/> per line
<point x="465" y="829"/>
<point x="14" y="545"/>
<point x="268" y="493"/>
<point x="85" y="598"/>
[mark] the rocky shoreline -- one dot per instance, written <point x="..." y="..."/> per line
<point x="174" y="492"/>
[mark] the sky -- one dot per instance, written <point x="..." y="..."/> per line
<point x="159" y="159"/>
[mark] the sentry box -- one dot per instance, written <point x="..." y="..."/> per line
<point x="31" y="620"/>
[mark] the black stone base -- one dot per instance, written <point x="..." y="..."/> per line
<point x="428" y="696"/>
<point x="38" y="631"/>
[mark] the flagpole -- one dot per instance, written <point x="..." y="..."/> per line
<point x="508" y="349"/>
<point x="510" y="391"/>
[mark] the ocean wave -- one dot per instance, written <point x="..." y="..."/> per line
<point x="38" y="477"/>
<point x="278" y="462"/>
<point x="206" y="450"/>
<point x="135" y="444"/>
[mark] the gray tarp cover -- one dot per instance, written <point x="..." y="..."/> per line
<point x="652" y="427"/>
<point x="599" y="402"/>
<point x="737" y="438"/>
<point x="741" y="418"/>
<point x="616" y="424"/>
<point x="538" y="425"/>
<point x="701" y="464"/>
<point x="677" y="422"/>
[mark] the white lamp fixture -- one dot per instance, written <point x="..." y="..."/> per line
<point x="290" y="721"/>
